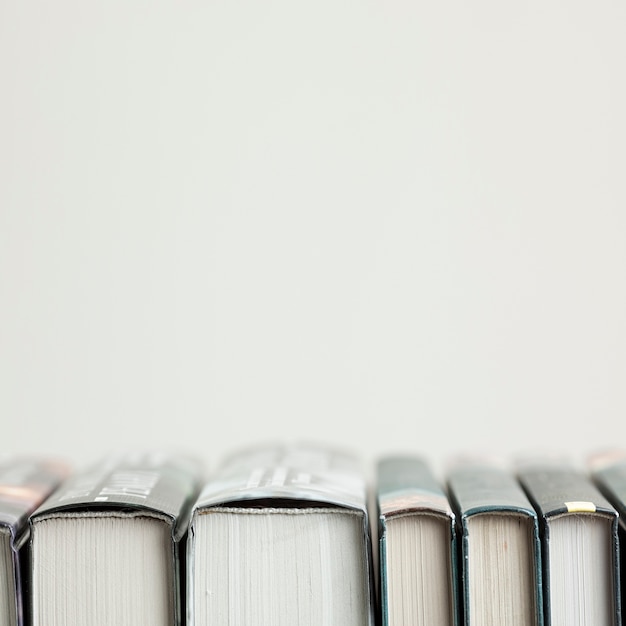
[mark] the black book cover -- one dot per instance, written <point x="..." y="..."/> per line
<point x="558" y="488"/>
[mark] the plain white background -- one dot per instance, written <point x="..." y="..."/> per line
<point x="391" y="225"/>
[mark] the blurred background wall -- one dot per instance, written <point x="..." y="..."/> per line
<point x="384" y="224"/>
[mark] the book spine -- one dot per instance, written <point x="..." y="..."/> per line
<point x="384" y="588"/>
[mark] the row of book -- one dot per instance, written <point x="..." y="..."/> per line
<point x="305" y="534"/>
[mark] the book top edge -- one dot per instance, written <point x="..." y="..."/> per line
<point x="324" y="491"/>
<point x="273" y="510"/>
<point x="407" y="501"/>
<point x="24" y="484"/>
<point x="487" y="489"/>
<point x="305" y="475"/>
<point x="116" y="513"/>
<point x="165" y="485"/>
<point x="563" y="489"/>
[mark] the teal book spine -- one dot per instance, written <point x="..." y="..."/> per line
<point x="406" y="485"/>
<point x="608" y="472"/>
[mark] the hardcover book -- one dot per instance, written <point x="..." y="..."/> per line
<point x="280" y="536"/>
<point x="608" y="470"/>
<point x="417" y="545"/>
<point x="580" y="544"/>
<point x="24" y="484"/>
<point x="500" y="547"/>
<point x="105" y="547"/>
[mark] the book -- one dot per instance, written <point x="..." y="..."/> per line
<point x="501" y="580"/>
<point x="580" y="546"/>
<point x="417" y="545"/>
<point x="106" y="546"/>
<point x="280" y="536"/>
<point x="24" y="484"/>
<point x="608" y="471"/>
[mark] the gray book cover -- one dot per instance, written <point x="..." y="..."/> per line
<point x="159" y="485"/>
<point x="24" y="484"/>
<point x="162" y="484"/>
<point x="288" y="476"/>
<point x="299" y="473"/>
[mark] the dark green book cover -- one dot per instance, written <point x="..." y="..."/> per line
<point x="560" y="492"/>
<point x="407" y="486"/>
<point x="480" y="488"/>
<point x="608" y="470"/>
